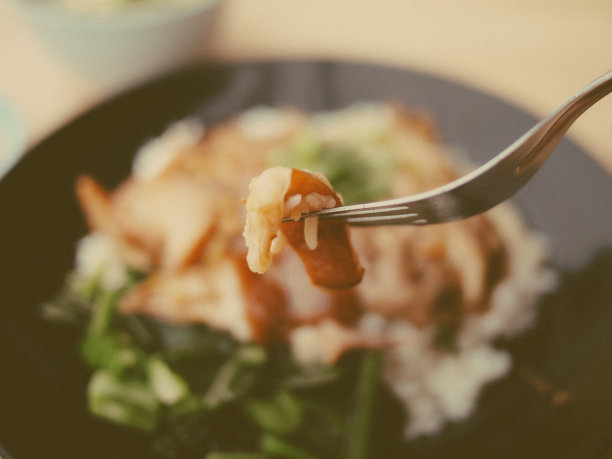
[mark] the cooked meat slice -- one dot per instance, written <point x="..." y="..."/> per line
<point x="477" y="253"/>
<point x="323" y="246"/>
<point x="165" y="220"/>
<point x="209" y="295"/>
<point x="326" y="341"/>
<point x="225" y="296"/>
<point x="97" y="205"/>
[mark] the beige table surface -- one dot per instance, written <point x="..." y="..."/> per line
<point x="531" y="53"/>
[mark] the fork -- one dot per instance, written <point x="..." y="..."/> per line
<point x="490" y="184"/>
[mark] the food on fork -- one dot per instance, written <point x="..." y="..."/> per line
<point x="324" y="247"/>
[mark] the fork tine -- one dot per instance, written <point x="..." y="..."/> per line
<point x="362" y="211"/>
<point x="371" y="214"/>
<point x="369" y="210"/>
<point x="399" y="219"/>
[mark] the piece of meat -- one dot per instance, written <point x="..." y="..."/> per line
<point x="324" y="248"/>
<point x="326" y="341"/>
<point x="97" y="205"/>
<point x="163" y="222"/>
<point x="203" y="294"/>
<point x="430" y="275"/>
<point x="478" y="256"/>
<point x="225" y="295"/>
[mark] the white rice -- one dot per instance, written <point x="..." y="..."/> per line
<point x="436" y="386"/>
<point x="311" y="225"/>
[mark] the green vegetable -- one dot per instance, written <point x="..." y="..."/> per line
<point x="277" y="447"/>
<point x="104" y="309"/>
<point x="199" y="393"/>
<point x="358" y="438"/>
<point x="129" y="403"/>
<point x="73" y="304"/>
<point x="280" y="414"/>
<point x="237" y="456"/>
<point x="236" y="376"/>
<point x="358" y="174"/>
<point x="110" y="351"/>
<point x="167" y="386"/>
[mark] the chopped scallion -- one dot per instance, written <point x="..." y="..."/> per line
<point x="127" y="403"/>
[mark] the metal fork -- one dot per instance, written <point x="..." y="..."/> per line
<point x="488" y="185"/>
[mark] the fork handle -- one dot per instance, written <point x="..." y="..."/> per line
<point x="549" y="132"/>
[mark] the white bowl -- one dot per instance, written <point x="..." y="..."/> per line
<point x="126" y="44"/>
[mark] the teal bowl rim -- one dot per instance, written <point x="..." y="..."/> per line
<point x="142" y="14"/>
<point x="12" y="135"/>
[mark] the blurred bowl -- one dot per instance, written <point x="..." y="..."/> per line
<point x="124" y="42"/>
<point x="12" y="137"/>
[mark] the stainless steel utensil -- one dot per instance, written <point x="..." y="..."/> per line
<point x="488" y="185"/>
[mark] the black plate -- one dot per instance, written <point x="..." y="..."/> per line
<point x="42" y="383"/>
